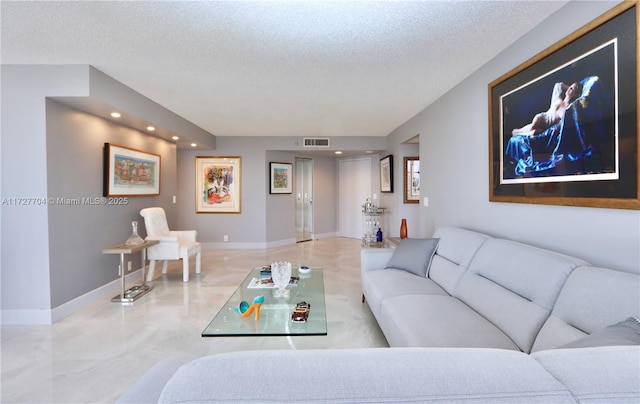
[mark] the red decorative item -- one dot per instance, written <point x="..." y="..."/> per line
<point x="403" y="229"/>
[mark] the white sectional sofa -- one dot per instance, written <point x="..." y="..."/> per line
<point x="469" y="318"/>
<point x="487" y="292"/>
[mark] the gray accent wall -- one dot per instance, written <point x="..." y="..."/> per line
<point x="52" y="154"/>
<point x="455" y="168"/>
<point x="78" y="231"/>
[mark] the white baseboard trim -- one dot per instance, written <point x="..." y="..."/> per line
<point x="50" y="316"/>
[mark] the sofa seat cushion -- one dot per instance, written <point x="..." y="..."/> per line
<point x="382" y="375"/>
<point x="438" y="321"/>
<point x="600" y="375"/>
<point x="384" y="283"/>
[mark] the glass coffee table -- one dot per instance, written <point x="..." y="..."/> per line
<point x="275" y="312"/>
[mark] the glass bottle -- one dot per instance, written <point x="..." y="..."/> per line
<point x="135" y="239"/>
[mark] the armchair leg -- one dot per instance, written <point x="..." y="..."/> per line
<point x="198" y="263"/>
<point x="185" y="269"/>
<point x="152" y="269"/>
<point x="165" y="266"/>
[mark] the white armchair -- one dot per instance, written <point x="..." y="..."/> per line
<point x="173" y="245"/>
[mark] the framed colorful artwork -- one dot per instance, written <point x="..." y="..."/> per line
<point x="563" y="126"/>
<point x="280" y="178"/>
<point x="130" y="172"/>
<point x="218" y="184"/>
<point x="386" y="174"/>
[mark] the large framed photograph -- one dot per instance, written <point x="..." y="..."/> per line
<point x="411" y="179"/>
<point x="130" y="172"/>
<point x="218" y="184"/>
<point x="280" y="177"/>
<point x="563" y="126"/>
<point x="386" y="174"/>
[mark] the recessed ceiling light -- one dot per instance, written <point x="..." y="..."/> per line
<point x="150" y="128"/>
<point x="193" y="145"/>
<point x="175" y="137"/>
<point x="116" y="114"/>
<point x="338" y="152"/>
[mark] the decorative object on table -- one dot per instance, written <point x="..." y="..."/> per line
<point x="130" y="172"/>
<point x="581" y="149"/>
<point x="218" y="184"/>
<point x="411" y="179"/>
<point x="301" y="312"/>
<point x="266" y="271"/>
<point x="245" y="309"/>
<point x="281" y="275"/>
<point x="174" y="244"/>
<point x="135" y="239"/>
<point x="386" y="174"/>
<point x="267" y="283"/>
<point x="280" y="178"/>
<point x="379" y="235"/>
<point x="304" y="269"/>
<point x="403" y="229"/>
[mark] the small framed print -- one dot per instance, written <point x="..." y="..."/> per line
<point x="411" y="179"/>
<point x="386" y="174"/>
<point x="280" y="178"/>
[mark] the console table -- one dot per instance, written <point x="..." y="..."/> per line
<point x="135" y="292"/>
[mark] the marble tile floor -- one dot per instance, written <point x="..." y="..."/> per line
<point x="96" y="354"/>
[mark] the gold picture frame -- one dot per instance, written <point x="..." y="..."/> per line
<point x="411" y="179"/>
<point x="218" y="184"/>
<point x="582" y="148"/>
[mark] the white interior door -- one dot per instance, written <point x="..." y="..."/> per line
<point x="354" y="188"/>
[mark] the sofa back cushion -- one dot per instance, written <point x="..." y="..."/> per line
<point x="515" y="286"/>
<point x="456" y="249"/>
<point x="592" y="299"/>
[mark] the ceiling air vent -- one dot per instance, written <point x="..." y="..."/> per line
<point x="316" y="142"/>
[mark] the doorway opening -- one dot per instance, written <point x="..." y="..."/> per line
<point x="304" y="199"/>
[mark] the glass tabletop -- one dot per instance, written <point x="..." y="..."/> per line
<point x="275" y="312"/>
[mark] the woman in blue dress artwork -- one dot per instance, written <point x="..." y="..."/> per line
<point x="569" y="132"/>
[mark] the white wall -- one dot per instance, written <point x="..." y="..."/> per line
<point x="455" y="168"/>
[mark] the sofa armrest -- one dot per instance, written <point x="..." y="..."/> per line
<point x="375" y="258"/>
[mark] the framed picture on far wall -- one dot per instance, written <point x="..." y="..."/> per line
<point x="130" y="172"/>
<point x="564" y="125"/>
<point x="218" y="184"/>
<point x="280" y="178"/>
<point x="386" y="174"/>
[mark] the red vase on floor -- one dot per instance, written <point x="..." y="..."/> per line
<point x="403" y="229"/>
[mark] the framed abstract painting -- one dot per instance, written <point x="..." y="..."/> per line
<point x="218" y="184"/>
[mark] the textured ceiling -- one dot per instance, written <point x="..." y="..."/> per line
<point x="268" y="68"/>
